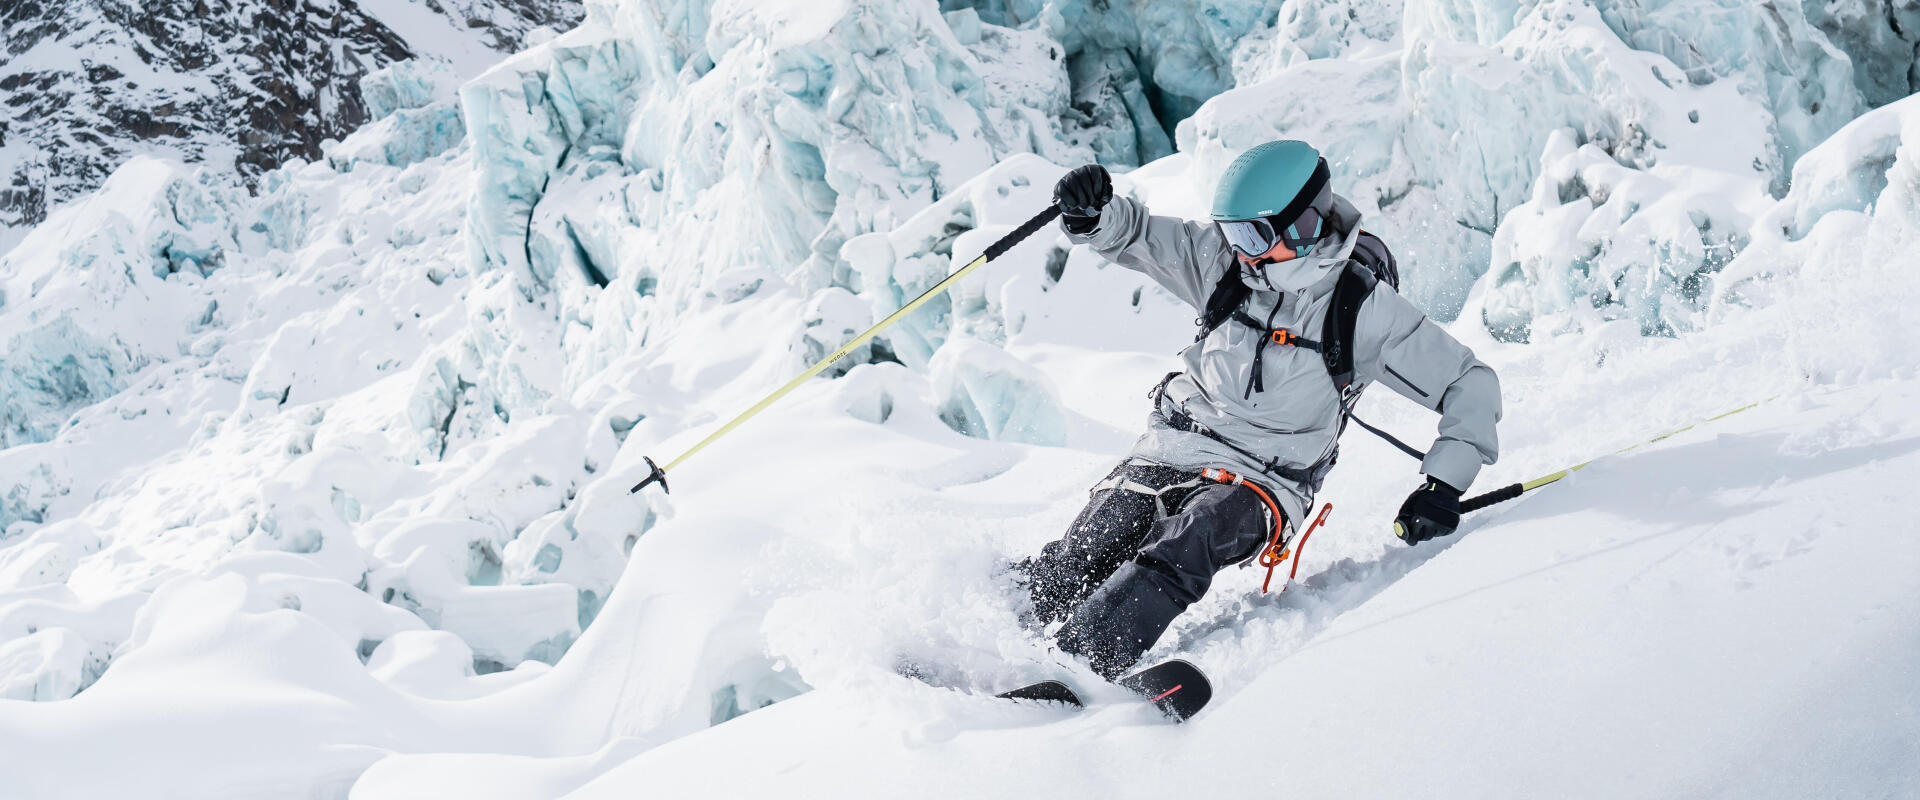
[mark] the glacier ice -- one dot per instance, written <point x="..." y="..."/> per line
<point x="983" y="391"/>
<point x="101" y="289"/>
<point x="384" y="414"/>
<point x="1137" y="68"/>
<point x="1881" y="37"/>
<point x="1606" y="240"/>
<point x="1836" y="248"/>
<point x="413" y="116"/>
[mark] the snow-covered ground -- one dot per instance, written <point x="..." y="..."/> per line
<point x="1723" y="616"/>
<point x="323" y="492"/>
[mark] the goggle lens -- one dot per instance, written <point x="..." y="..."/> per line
<point x="1250" y="237"/>
<point x="1254" y="237"/>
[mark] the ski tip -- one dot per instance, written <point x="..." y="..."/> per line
<point x="1176" y="687"/>
<point x="1045" y="692"/>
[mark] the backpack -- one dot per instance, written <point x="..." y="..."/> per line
<point x="1369" y="264"/>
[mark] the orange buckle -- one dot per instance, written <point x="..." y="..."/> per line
<point x="1283" y="337"/>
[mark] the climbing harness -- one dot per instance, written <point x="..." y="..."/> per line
<point x="1275" y="552"/>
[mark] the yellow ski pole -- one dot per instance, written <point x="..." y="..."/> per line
<point x="1511" y="491"/>
<point x="995" y="250"/>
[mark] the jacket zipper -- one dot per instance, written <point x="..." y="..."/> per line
<point x="1403" y="379"/>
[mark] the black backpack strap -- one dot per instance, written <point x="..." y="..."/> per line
<point x="1371" y="263"/>
<point x="1373" y="253"/>
<point x="1343" y="314"/>
<point x="1227" y="297"/>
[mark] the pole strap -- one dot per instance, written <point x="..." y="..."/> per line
<point x="995" y="250"/>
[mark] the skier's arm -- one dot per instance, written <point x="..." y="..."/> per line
<point x="1396" y="345"/>
<point x="1187" y="258"/>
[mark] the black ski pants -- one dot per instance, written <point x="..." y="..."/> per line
<point x="1123" y="571"/>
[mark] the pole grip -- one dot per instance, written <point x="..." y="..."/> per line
<point x="1026" y="229"/>
<point x="1500" y="495"/>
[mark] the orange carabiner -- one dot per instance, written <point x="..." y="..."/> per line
<point x="1317" y="521"/>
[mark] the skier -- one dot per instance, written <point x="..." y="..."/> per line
<point x="1241" y="439"/>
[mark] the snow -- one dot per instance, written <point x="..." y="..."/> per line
<point x="324" y="491"/>
<point x="431" y="33"/>
<point x="1557" y="648"/>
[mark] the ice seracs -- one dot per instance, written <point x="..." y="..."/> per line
<point x="362" y="439"/>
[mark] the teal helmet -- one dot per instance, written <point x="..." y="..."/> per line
<point x="1266" y="194"/>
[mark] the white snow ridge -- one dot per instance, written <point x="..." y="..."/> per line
<point x="320" y="489"/>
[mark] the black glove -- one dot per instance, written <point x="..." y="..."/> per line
<point x="1081" y="194"/>
<point x="1432" y="510"/>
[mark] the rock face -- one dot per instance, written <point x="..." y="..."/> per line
<point x="86" y="84"/>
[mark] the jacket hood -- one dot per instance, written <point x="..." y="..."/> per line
<point x="1306" y="274"/>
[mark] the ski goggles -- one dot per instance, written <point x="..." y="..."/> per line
<point x="1254" y="237"/>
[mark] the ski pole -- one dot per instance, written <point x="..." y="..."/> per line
<point x="1510" y="491"/>
<point x="659" y="474"/>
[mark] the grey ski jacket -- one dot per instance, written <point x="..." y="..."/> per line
<point x="1297" y="416"/>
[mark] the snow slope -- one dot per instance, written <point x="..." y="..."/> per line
<point x="322" y="491"/>
<point x="1726" y="615"/>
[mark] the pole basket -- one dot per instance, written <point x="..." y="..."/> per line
<point x="657" y="475"/>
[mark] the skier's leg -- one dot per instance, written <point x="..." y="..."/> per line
<point x="1217" y="526"/>
<point x="1107" y="533"/>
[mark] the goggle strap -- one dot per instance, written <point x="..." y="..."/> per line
<point x="1308" y="193"/>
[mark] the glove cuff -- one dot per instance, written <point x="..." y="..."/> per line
<point x="1078" y="225"/>
<point x="1442" y="486"/>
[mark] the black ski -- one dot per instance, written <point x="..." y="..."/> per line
<point x="1175" y="687"/>
<point x="1044" y="691"/>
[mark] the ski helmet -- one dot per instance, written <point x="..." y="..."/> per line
<point x="1278" y="191"/>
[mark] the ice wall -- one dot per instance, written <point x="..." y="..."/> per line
<point x="102" y="289"/>
<point x="1138" y="68"/>
<point x="413" y="116"/>
<point x="628" y="168"/>
<point x="1882" y="37"/>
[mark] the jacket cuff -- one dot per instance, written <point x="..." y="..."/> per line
<point x="1101" y="237"/>
<point x="1454" y="462"/>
